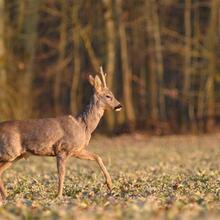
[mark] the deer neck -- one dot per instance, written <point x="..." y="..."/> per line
<point x="92" y="114"/>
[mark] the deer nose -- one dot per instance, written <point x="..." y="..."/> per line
<point x="118" y="108"/>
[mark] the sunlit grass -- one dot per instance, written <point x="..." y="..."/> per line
<point x="154" y="178"/>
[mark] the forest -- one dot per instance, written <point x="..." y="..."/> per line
<point x="161" y="58"/>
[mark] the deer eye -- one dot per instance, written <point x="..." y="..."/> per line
<point x="108" y="97"/>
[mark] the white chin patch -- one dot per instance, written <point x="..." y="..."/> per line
<point x="118" y="109"/>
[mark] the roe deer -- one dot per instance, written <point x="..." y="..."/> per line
<point x="62" y="137"/>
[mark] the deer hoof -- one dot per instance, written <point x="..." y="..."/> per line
<point x="109" y="185"/>
<point x="59" y="196"/>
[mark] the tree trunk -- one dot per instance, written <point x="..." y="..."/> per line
<point x="62" y="54"/>
<point x="110" y="66"/>
<point x="30" y="50"/>
<point x="126" y="71"/>
<point x="151" y="60"/>
<point x="211" y="45"/>
<point x="74" y="102"/>
<point x="188" y="100"/>
<point x="159" y="58"/>
<point x="3" y="81"/>
<point x="2" y="47"/>
<point x="21" y="16"/>
<point x="187" y="62"/>
<point x="201" y="71"/>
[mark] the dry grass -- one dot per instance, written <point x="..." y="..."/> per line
<point x="172" y="177"/>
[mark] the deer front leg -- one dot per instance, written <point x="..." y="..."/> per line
<point x="61" y="168"/>
<point x="3" y="167"/>
<point x="91" y="156"/>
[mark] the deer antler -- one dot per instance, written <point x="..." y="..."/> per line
<point x="103" y="77"/>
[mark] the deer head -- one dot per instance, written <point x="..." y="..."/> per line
<point x="104" y="95"/>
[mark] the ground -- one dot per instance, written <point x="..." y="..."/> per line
<point x="171" y="177"/>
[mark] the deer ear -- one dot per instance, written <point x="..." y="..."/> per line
<point x="97" y="84"/>
<point x="91" y="80"/>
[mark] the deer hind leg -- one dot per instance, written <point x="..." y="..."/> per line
<point x="3" y="167"/>
<point x="91" y="156"/>
<point x="61" y="168"/>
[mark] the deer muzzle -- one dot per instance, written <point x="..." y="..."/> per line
<point x="118" y="108"/>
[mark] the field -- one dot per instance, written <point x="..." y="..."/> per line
<point x="173" y="177"/>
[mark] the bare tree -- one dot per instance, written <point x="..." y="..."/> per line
<point x="126" y="70"/>
<point x="211" y="44"/>
<point x="74" y="96"/>
<point x="187" y="61"/>
<point x="110" y="44"/>
<point x="154" y="111"/>
<point x="155" y="61"/>
<point x="60" y="69"/>
<point x="158" y="56"/>
<point x="200" y="71"/>
<point x="30" y="50"/>
<point x="3" y="75"/>
<point x="188" y="100"/>
<point x="2" y="46"/>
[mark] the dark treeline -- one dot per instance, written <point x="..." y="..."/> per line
<point x="162" y="58"/>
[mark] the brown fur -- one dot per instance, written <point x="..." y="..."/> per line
<point x="62" y="137"/>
